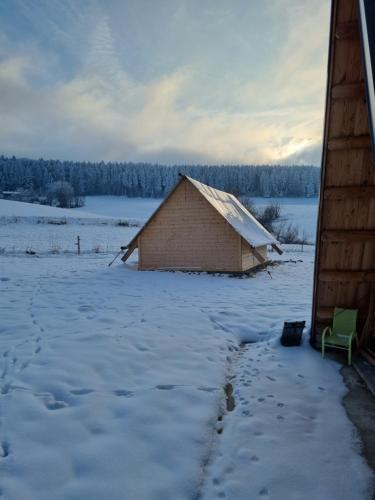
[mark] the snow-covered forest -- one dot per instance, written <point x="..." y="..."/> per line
<point x="153" y="181"/>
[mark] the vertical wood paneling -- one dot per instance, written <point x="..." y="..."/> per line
<point x="346" y="119"/>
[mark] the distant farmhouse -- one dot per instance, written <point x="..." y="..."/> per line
<point x="199" y="228"/>
<point x="24" y="195"/>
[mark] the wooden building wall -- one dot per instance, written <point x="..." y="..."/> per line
<point x="345" y="255"/>
<point x="188" y="233"/>
<point x="248" y="258"/>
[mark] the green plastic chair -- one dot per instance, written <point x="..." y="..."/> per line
<point x="343" y="331"/>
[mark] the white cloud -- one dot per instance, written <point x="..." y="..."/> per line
<point x="102" y="112"/>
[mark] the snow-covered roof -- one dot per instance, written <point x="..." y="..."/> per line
<point x="236" y="215"/>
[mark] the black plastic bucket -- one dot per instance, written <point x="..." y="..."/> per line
<point x="292" y="333"/>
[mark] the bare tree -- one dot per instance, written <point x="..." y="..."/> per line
<point x="267" y="216"/>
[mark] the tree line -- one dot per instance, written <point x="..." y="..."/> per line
<point x="155" y="181"/>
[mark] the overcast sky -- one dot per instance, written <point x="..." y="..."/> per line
<point x="170" y="81"/>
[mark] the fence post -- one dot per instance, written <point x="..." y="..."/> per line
<point x="78" y="245"/>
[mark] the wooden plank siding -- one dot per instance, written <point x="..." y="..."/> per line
<point x="189" y="234"/>
<point x="345" y="251"/>
<point x="249" y="260"/>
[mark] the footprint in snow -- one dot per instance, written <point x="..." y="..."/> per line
<point x="5" y="389"/>
<point x="56" y="405"/>
<point x="81" y="392"/>
<point x="165" y="387"/>
<point x="141" y="348"/>
<point x="208" y="389"/>
<point x="263" y="492"/>
<point x="4" y="449"/>
<point x="84" y="308"/>
<point x="51" y="403"/>
<point x="124" y="393"/>
<point x="247" y="413"/>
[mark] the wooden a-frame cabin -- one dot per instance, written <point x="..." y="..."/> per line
<point x="199" y="228"/>
<point x="345" y="251"/>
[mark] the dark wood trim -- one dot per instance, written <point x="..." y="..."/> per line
<point x="347" y="276"/>
<point x="350" y="142"/>
<point x="348" y="91"/>
<point x="344" y="192"/>
<point x="344" y="235"/>
<point x="346" y="30"/>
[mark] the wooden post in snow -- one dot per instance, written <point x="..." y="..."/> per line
<point x="78" y="245"/>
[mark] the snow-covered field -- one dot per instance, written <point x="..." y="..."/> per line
<point x="43" y="229"/>
<point x="100" y="223"/>
<point x="112" y="383"/>
<point x="301" y="212"/>
<point x="120" y="206"/>
<point x="298" y="211"/>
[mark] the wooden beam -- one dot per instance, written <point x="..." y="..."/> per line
<point x="345" y="192"/>
<point x="349" y="142"/>
<point x="369" y="355"/>
<point x="347" y="276"/>
<point x="347" y="30"/>
<point x="259" y="257"/>
<point x="128" y="253"/>
<point x="348" y="90"/>
<point x="344" y="235"/>
<point x="277" y="248"/>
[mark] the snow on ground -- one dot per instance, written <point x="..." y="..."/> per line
<point x="44" y="229"/>
<point x="14" y="209"/>
<point x="111" y="383"/>
<point x="301" y="212"/>
<point x="48" y="238"/>
<point x="121" y="206"/>
<point x="288" y="436"/>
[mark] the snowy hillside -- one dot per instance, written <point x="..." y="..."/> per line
<point x="44" y="229"/>
<point x="10" y="208"/>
